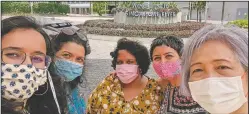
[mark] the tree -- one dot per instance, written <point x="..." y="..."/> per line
<point x="199" y="6"/>
<point x="99" y="7"/>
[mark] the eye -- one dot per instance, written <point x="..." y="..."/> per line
<point x="223" y="67"/>
<point x="37" y="59"/>
<point x="80" y="60"/>
<point x="13" y="55"/>
<point x="169" y="56"/>
<point x="119" y="62"/>
<point x="66" y="55"/>
<point x="129" y="62"/>
<point x="157" y="58"/>
<point x="196" y="70"/>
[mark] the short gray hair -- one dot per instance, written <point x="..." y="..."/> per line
<point x="235" y="37"/>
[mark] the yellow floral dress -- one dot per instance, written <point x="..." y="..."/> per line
<point x="108" y="98"/>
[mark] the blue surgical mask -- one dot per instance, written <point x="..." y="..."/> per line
<point x="69" y="70"/>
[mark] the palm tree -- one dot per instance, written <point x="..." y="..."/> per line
<point x="222" y="15"/>
<point x="199" y="6"/>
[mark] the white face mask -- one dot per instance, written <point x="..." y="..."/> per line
<point x="219" y="94"/>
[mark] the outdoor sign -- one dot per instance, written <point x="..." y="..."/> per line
<point x="163" y="13"/>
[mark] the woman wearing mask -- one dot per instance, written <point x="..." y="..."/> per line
<point x="128" y="91"/>
<point x="24" y="65"/>
<point x="215" y="69"/>
<point x="67" y="69"/>
<point x="165" y="54"/>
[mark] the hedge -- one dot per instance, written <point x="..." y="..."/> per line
<point x="240" y="23"/>
<point x="108" y="27"/>
<point x="39" y="8"/>
<point x="15" y="7"/>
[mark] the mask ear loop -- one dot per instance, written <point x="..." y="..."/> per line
<point x="53" y="91"/>
<point x="43" y="92"/>
<point x="243" y="77"/>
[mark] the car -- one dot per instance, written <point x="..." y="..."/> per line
<point x="53" y="27"/>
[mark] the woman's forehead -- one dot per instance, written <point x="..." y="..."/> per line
<point x="28" y="40"/>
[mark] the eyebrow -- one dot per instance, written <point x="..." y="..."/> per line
<point x="195" y="64"/>
<point x="165" y="53"/>
<point x="15" y="48"/>
<point x="216" y="60"/>
<point x="39" y="52"/>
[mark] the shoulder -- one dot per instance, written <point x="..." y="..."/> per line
<point x="154" y="85"/>
<point x="105" y="83"/>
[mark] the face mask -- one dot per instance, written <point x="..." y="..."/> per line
<point x="219" y="94"/>
<point x="19" y="82"/>
<point x="126" y="72"/>
<point x="69" y="70"/>
<point x="167" y="69"/>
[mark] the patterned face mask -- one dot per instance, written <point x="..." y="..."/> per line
<point x="167" y="69"/>
<point x="69" y="70"/>
<point x="19" y="82"/>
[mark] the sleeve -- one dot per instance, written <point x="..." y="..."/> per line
<point x="93" y="104"/>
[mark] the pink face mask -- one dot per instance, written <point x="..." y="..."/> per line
<point x="126" y="72"/>
<point x="167" y="69"/>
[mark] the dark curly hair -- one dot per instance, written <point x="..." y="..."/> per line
<point x="139" y="51"/>
<point x="170" y="41"/>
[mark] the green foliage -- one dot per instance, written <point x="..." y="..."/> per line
<point x="15" y="7"/>
<point x="199" y="5"/>
<point x="243" y="23"/>
<point x="99" y="7"/>
<point x="51" y="8"/>
<point x="41" y="7"/>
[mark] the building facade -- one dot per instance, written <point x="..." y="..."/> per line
<point x="232" y="11"/>
<point x="79" y="7"/>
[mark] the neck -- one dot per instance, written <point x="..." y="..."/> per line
<point x="175" y="81"/>
<point x="242" y="110"/>
<point x="136" y="83"/>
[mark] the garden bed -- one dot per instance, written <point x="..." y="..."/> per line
<point x="108" y="27"/>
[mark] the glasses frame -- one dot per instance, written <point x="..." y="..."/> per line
<point x="48" y="59"/>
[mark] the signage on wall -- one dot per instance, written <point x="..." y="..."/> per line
<point x="150" y="13"/>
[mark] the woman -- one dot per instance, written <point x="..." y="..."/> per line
<point x="67" y="69"/>
<point x="215" y="69"/>
<point x="128" y="91"/>
<point x="165" y="54"/>
<point x="24" y="65"/>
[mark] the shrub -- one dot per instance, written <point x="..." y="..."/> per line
<point x="51" y="8"/>
<point x="15" y="7"/>
<point x="41" y="7"/>
<point x="148" y="27"/>
<point x="240" y="23"/>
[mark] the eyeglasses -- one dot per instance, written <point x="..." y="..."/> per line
<point x="13" y="56"/>
<point x="71" y="31"/>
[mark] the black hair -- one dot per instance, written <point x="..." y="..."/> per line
<point x="170" y="41"/>
<point x="36" y="104"/>
<point x="138" y="50"/>
<point x="61" y="85"/>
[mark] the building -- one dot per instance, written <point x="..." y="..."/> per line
<point x="79" y="7"/>
<point x="232" y="10"/>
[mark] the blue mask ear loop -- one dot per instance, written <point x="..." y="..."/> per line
<point x="53" y="91"/>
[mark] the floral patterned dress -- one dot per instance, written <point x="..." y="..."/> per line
<point x="108" y="98"/>
<point x="174" y="103"/>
